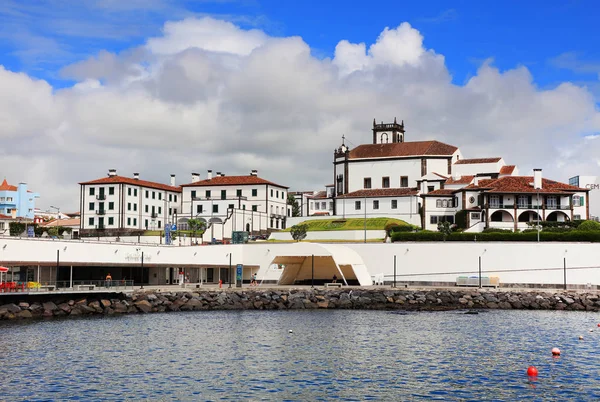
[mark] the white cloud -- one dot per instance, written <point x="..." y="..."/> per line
<point x="210" y="95"/>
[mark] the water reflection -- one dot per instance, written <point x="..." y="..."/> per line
<point x="347" y="355"/>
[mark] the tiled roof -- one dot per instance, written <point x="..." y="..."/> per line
<point x="7" y="187"/>
<point x="442" y="192"/>
<point x="320" y="194"/>
<point x="135" y="182"/>
<point x="2" y="216"/>
<point x="63" y="222"/>
<point x="231" y="181"/>
<point x="477" y="160"/>
<point x="415" y="148"/>
<point x="523" y="184"/>
<point x="440" y="175"/>
<point x="460" y="180"/>
<point x="507" y="170"/>
<point x="382" y="192"/>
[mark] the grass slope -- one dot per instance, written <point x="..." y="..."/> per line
<point x="321" y="225"/>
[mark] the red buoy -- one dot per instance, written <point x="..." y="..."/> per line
<point x="599" y="324"/>
<point x="555" y="352"/>
<point x="532" y="371"/>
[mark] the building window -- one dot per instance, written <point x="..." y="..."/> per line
<point x="403" y="181"/>
<point x="193" y="194"/>
<point x="385" y="182"/>
<point x="255" y="208"/>
<point x="134" y="221"/>
<point x="375" y="204"/>
<point x="207" y="195"/>
<point x="244" y="207"/>
<point x="317" y="206"/>
<point x="135" y="192"/>
<point x="438" y="203"/>
<point x="331" y="205"/>
<point x="254" y="192"/>
<point x="215" y="208"/>
<point x="175" y="198"/>
<point x="271" y="219"/>
<point x="160" y="196"/>
<point x="394" y="204"/>
<point x="271" y="196"/>
<point x="159" y="210"/>
<point x="433" y="219"/>
<point x="111" y="206"/>
<point x="576" y="217"/>
<point x="430" y="188"/>
<point x="367" y="182"/>
<point x="92" y="191"/>
<point x="129" y="191"/>
<point x="551" y="201"/>
<point x="170" y="211"/>
<point x="135" y="207"/>
<point x="92" y="206"/>
<point x="324" y="206"/>
<point x="578" y="201"/>
<point x="357" y="205"/>
<point x="276" y="194"/>
<point x="238" y="193"/>
<point x="146" y="224"/>
<point x="147" y="194"/>
<point x="444" y="203"/>
<point x="494" y="201"/>
<point x="111" y="220"/>
<point x="129" y="206"/>
<point x="522" y="201"/>
<point x="170" y="197"/>
<point x="146" y="208"/>
<point x="159" y="224"/>
<point x="128" y="221"/>
<point x="223" y="194"/>
<point x="231" y="206"/>
<point x="198" y="209"/>
<point x="91" y="221"/>
<point x="277" y="224"/>
<point x="111" y="191"/>
<point x="153" y="195"/>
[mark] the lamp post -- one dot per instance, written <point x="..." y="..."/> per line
<point x="229" y="270"/>
<point x="365" y="218"/>
<point x="538" y="215"/>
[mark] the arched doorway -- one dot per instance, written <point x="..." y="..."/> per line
<point x="501" y="216"/>
<point x="529" y="216"/>
<point x="558" y="216"/>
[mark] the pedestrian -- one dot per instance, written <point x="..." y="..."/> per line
<point x="253" y="282"/>
<point x="108" y="280"/>
<point x="334" y="278"/>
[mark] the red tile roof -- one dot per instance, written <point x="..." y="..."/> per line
<point x="7" y="187"/>
<point x="135" y="182"/>
<point x="440" y="192"/>
<point x="415" y="148"/>
<point x="523" y="184"/>
<point x="2" y="216"/>
<point x="508" y="169"/>
<point x="477" y="160"/>
<point x="460" y="180"/>
<point x="382" y="192"/>
<point x="320" y="194"/>
<point x="63" y="222"/>
<point x="440" y="175"/>
<point x="231" y="181"/>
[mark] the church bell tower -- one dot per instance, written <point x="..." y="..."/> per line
<point x="388" y="133"/>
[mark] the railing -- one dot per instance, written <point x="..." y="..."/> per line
<point x="154" y="215"/>
<point x="101" y="212"/>
<point x="101" y="226"/>
<point x="96" y="285"/>
<point x="500" y="206"/>
<point x="101" y="197"/>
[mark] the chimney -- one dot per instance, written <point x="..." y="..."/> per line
<point x="209" y="175"/>
<point x="195" y="177"/>
<point x="475" y="181"/>
<point x="254" y="173"/>
<point x="424" y="186"/>
<point x="455" y="176"/>
<point x="173" y="180"/>
<point x="218" y="174"/>
<point x="13" y="213"/>
<point x="136" y="176"/>
<point x="112" y="172"/>
<point x="537" y="178"/>
<point x="222" y="174"/>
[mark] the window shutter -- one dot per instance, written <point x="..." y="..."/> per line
<point x="581" y="203"/>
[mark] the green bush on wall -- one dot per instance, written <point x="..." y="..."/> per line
<point x="569" y="236"/>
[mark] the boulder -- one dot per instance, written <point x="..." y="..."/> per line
<point x="105" y="303"/>
<point x="143" y="305"/>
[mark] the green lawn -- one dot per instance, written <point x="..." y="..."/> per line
<point x="317" y="225"/>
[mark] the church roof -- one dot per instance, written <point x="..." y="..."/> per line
<point x="399" y="149"/>
<point x="7" y="187"/>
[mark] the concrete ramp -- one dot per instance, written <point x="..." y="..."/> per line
<point x="329" y="260"/>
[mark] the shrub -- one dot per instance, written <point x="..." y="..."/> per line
<point x="299" y="231"/>
<point x="528" y="236"/>
<point x="460" y="219"/>
<point x="589" y="225"/>
<point x="496" y="230"/>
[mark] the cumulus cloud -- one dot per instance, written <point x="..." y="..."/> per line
<point x="207" y="94"/>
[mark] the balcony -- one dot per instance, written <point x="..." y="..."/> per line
<point x="500" y="206"/>
<point x="154" y="215"/>
<point x="101" y="212"/>
<point x="101" y="226"/>
<point x="101" y="197"/>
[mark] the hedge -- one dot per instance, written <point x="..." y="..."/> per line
<point x="570" y="236"/>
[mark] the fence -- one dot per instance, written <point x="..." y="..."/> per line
<point x="69" y="286"/>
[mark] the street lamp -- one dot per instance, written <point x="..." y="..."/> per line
<point x="365" y="218"/>
<point x="57" y="211"/>
<point x="538" y="215"/>
<point x="229" y="254"/>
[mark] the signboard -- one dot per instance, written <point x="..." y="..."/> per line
<point x="239" y="237"/>
<point x="30" y="231"/>
<point x="174" y="227"/>
<point x="239" y="269"/>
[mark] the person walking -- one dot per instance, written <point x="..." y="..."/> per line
<point x="334" y="280"/>
<point x="108" y="280"/>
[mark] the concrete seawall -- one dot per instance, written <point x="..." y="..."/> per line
<point x="293" y="299"/>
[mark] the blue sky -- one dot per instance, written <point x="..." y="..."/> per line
<point x="557" y="41"/>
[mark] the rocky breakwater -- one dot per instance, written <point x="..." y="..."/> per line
<point x="294" y="299"/>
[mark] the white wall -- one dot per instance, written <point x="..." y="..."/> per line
<point x="469" y="169"/>
<point x="376" y="170"/>
<point x="333" y="235"/>
<point x="408" y="208"/>
<point x="442" y="260"/>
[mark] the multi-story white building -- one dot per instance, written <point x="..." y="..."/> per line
<point x="591" y="183"/>
<point x="234" y="203"/>
<point x="118" y="204"/>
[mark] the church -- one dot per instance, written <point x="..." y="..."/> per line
<point x="427" y="182"/>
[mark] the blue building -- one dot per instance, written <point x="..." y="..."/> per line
<point x="17" y="200"/>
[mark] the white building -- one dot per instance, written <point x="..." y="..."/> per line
<point x="234" y="203"/>
<point x="591" y="183"/>
<point x="118" y="204"/>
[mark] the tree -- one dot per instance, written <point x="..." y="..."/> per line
<point x="445" y="228"/>
<point x="299" y="231"/>
<point x="196" y="225"/>
<point x="294" y="203"/>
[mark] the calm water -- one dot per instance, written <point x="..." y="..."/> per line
<point x="346" y="355"/>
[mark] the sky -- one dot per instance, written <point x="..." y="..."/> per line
<point x="166" y="87"/>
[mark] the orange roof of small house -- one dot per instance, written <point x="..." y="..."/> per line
<point x="477" y="160"/>
<point x="508" y="169"/>
<point x="7" y="187"/>
<point x="460" y="180"/>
